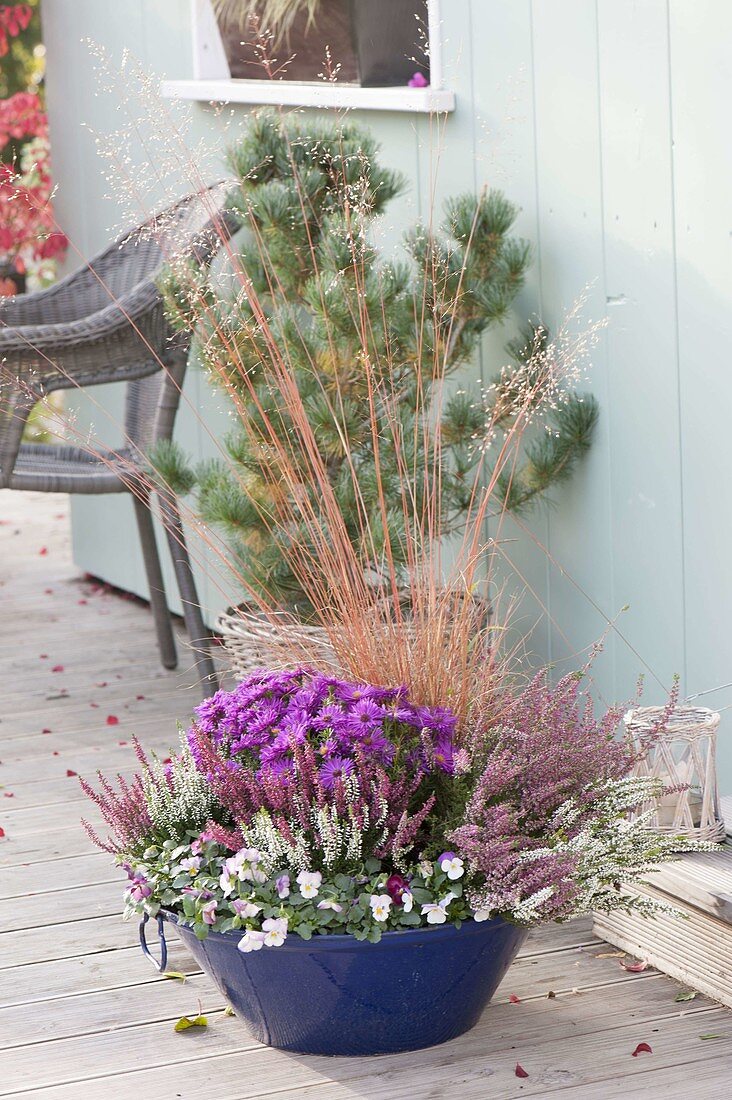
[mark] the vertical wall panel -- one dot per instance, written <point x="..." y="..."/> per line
<point x="701" y="65"/>
<point x="570" y="206"/>
<point x="642" y="387"/>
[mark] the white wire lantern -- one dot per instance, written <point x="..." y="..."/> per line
<point x="682" y="756"/>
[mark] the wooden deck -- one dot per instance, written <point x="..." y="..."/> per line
<point x="84" y="1017"/>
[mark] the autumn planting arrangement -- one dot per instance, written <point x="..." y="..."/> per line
<point x="356" y="852"/>
<point x="305" y="809"/>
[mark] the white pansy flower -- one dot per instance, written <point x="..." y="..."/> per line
<point x="481" y="915"/>
<point x="454" y="868"/>
<point x="437" y="914"/>
<point x="328" y="904"/>
<point x="380" y="906"/>
<point x="309" y="883"/>
<point x="407" y="902"/>
<point x="251" y="941"/>
<point x="192" y="864"/>
<point x="275" y="931"/>
<point x="246" y="909"/>
<point x="226" y="883"/>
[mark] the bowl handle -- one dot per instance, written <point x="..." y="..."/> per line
<point x="163" y="945"/>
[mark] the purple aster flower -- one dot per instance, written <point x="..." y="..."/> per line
<point x="338" y="767"/>
<point x="419" y="80"/>
<point x="276" y="750"/>
<point x="329" y="717"/>
<point x="443" y="755"/>
<point x="355" y="693"/>
<point x="365" y="715"/>
<point x="373" y="742"/>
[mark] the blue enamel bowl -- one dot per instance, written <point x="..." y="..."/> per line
<point x="337" y="995"/>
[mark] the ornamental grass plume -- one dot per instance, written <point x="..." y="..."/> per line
<point x="352" y="458"/>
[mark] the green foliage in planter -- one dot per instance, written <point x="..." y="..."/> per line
<point x="307" y="197"/>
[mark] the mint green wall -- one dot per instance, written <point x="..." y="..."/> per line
<point x="606" y="121"/>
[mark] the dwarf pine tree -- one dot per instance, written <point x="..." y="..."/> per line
<point x="321" y="295"/>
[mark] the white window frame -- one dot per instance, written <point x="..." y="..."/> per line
<point x="212" y="81"/>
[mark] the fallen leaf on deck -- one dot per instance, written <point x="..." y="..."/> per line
<point x="43" y="551"/>
<point x="190" y="1021"/>
<point x="45" y="731"/>
<point x="611" y="955"/>
<point x="174" y="974"/>
<point x="42" y="656"/>
<point x="70" y="772"/>
<point x="520" y="1071"/>
<point x="8" y="794"/>
<point x="636" y="967"/>
<point x="642" y="1048"/>
<point x="686" y="995"/>
<point x="710" y="1035"/>
<point x="112" y="720"/>
<point x="229" y="1011"/>
<point x="514" y="999"/>
<point x="139" y="697"/>
<point x="47" y="591"/>
<point x="551" y="994"/>
<point x="2" y="833"/>
<point x="57" y="668"/>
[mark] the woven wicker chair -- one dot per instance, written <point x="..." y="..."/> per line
<point x="105" y="323"/>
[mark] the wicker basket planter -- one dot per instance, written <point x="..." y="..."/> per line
<point x="254" y="641"/>
<point x="684" y="757"/>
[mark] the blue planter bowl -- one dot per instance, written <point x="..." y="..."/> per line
<point x="338" y="995"/>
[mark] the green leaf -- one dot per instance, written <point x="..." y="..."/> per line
<point x="229" y="1011"/>
<point x="190" y="1021"/>
<point x="174" y="974"/>
<point x="686" y="995"/>
<point x="710" y="1035"/>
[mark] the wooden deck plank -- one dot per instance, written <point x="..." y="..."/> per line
<point x="83" y="1015"/>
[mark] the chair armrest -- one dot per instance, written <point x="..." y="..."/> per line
<point x="104" y="347"/>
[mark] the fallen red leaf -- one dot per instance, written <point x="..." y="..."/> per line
<point x="54" y="753"/>
<point x="82" y="601"/>
<point x="139" y="697"/>
<point x="520" y="1071"/>
<point x="8" y="794"/>
<point x="43" y="657"/>
<point x="47" y="591"/>
<point x="636" y="967"/>
<point x="101" y="684"/>
<point x="43" y="551"/>
<point x="514" y="999"/>
<point x="70" y="772"/>
<point x="58" y="668"/>
<point x="121" y="742"/>
<point x="45" y="731"/>
<point x="95" y="705"/>
<point x="112" y="720"/>
<point x="2" y="833"/>
<point x="167" y="760"/>
<point x="642" y="1048"/>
